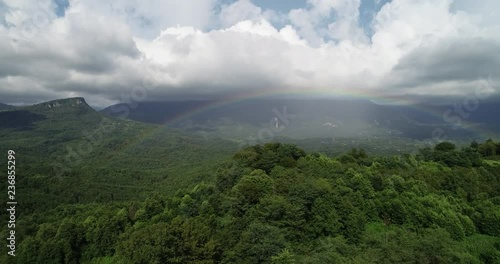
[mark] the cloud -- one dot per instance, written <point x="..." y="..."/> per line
<point x="309" y="21"/>
<point x="197" y="49"/>
<point x="149" y="17"/>
<point x="456" y="68"/>
<point x="454" y="60"/>
<point x="238" y="11"/>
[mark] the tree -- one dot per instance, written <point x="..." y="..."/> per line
<point x="152" y="244"/>
<point x="70" y="236"/>
<point x="284" y="257"/>
<point x="325" y="220"/>
<point x="425" y="154"/>
<point x="444" y="147"/>
<point x="154" y="205"/>
<point x="488" y="149"/>
<point x="474" y="145"/>
<point x="278" y="211"/>
<point x="254" y="186"/>
<point x="259" y="242"/>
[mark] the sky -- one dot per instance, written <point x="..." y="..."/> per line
<point x="111" y="51"/>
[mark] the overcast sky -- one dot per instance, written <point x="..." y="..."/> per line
<point x="107" y="50"/>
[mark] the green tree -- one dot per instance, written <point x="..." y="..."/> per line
<point x="284" y="257"/>
<point x="254" y="186"/>
<point x="445" y="146"/>
<point x="325" y="220"/>
<point x="488" y="149"/>
<point x="259" y="242"/>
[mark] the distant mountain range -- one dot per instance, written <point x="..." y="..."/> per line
<point x="321" y="118"/>
<point x="259" y="121"/>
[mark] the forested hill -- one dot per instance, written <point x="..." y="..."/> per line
<point x="277" y="204"/>
<point x="66" y="152"/>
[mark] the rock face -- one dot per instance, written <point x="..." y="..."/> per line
<point x="61" y="107"/>
<point x="69" y="102"/>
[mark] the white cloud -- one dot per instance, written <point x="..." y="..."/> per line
<point x="146" y="18"/>
<point x="27" y="13"/>
<point x="239" y="11"/>
<point x="346" y="12"/>
<point x="101" y="51"/>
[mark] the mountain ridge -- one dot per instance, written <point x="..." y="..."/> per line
<point x="5" y="106"/>
<point x="348" y="117"/>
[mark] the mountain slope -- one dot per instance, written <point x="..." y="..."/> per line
<point x="5" y="106"/>
<point x="274" y="203"/>
<point x="69" y="153"/>
<point x="317" y="118"/>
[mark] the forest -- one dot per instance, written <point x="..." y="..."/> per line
<point x="275" y="203"/>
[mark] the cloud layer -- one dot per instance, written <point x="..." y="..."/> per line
<point x="200" y="49"/>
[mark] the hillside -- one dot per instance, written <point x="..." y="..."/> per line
<point x="5" y="106"/>
<point x="69" y="153"/>
<point x="277" y="204"/>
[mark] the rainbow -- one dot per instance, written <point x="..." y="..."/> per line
<point x="310" y="94"/>
<point x="248" y="96"/>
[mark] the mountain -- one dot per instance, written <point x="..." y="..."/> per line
<point x="5" y="106"/>
<point x="24" y="118"/>
<point x="318" y="118"/>
<point x="69" y="153"/>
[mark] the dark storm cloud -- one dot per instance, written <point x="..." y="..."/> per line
<point x="454" y="60"/>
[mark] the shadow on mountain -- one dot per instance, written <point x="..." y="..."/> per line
<point x="21" y="119"/>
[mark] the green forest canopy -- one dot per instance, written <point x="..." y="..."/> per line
<point x="277" y="204"/>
